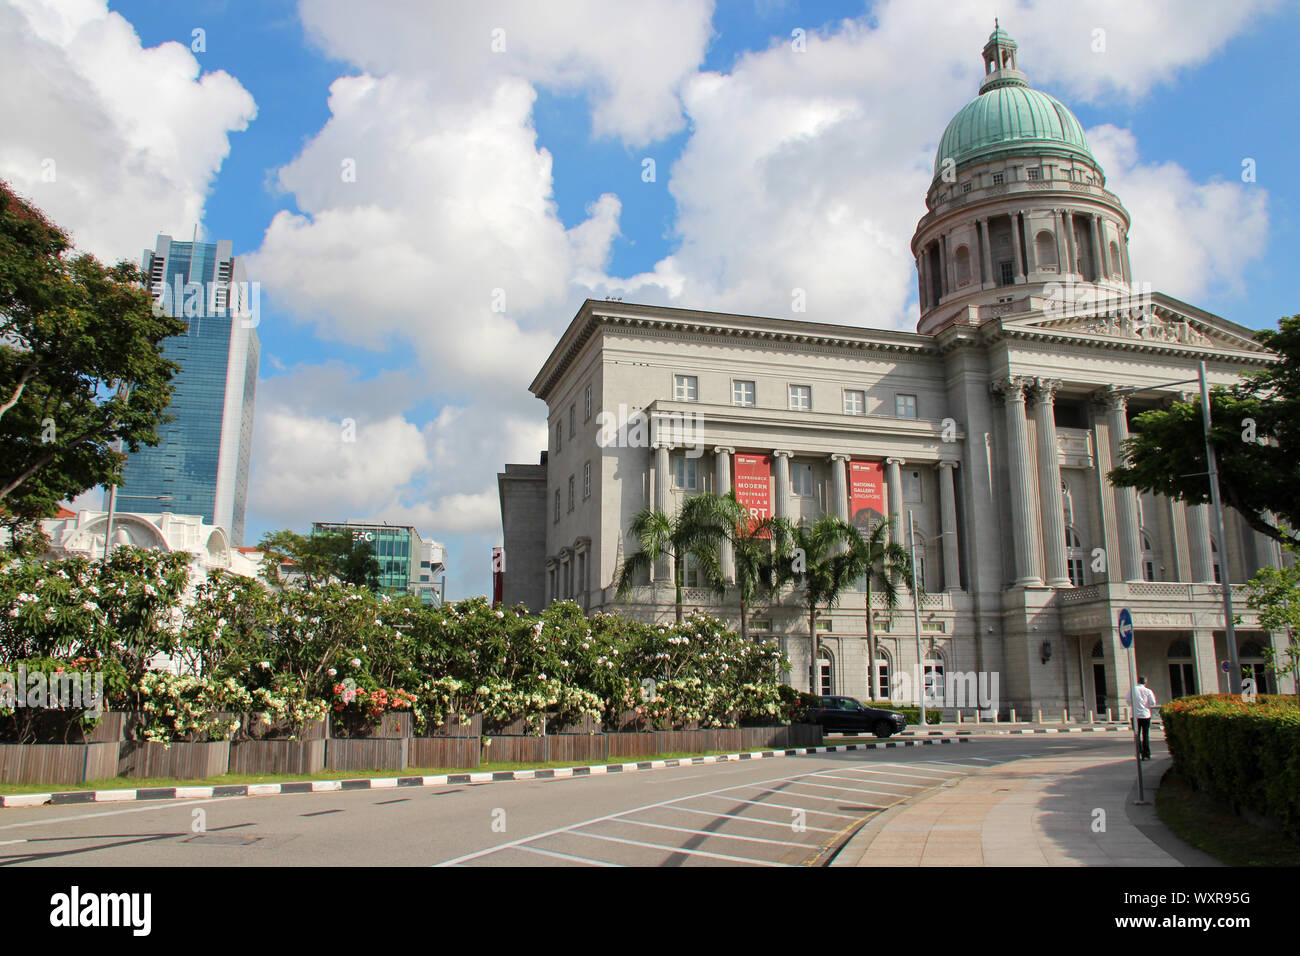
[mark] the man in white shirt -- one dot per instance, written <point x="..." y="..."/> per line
<point x="1143" y="701"/>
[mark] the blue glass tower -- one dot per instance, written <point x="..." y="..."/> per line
<point x="201" y="464"/>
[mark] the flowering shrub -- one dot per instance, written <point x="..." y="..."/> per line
<point x="183" y="707"/>
<point x="286" y="703"/>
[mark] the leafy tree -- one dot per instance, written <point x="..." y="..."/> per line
<point x="821" y="565"/>
<point x="697" y="530"/>
<point x="320" y="558"/>
<point x="1275" y="594"/>
<point x="882" y="563"/>
<point x="1255" y="431"/>
<point x="81" y="364"/>
<point x="756" y="546"/>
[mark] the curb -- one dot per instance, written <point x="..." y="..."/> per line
<point x="442" y="780"/>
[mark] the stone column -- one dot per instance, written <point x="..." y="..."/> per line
<point x="722" y="481"/>
<point x="1019" y="247"/>
<point x="920" y="281"/>
<point x="1126" y="509"/>
<point x="1062" y="252"/>
<point x="948" y="522"/>
<point x="1028" y="551"/>
<point x="894" y="484"/>
<point x="1207" y="666"/>
<point x="662" y="477"/>
<point x="1049" y="483"/>
<point x="943" y="267"/>
<point x="1071" y="247"/>
<point x="1098" y="252"/>
<point x="840" y="486"/>
<point x="987" y="263"/>
<point x="1198" y="543"/>
<point x="1031" y="254"/>
<point x="781" y="459"/>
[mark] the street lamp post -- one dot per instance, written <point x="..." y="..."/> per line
<point x="916" y="614"/>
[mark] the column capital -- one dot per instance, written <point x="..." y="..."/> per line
<point x="895" y="461"/>
<point x="662" y="445"/>
<point x="1011" y="388"/>
<point x="781" y="453"/>
<point x="723" y="450"/>
<point x="947" y="463"/>
<point x="1045" y="390"/>
<point x="1111" y="398"/>
<point x="839" y="456"/>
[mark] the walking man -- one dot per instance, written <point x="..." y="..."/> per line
<point x="1143" y="701"/>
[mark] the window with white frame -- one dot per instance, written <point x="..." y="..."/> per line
<point x="573" y="420"/>
<point x="801" y="398"/>
<point x="801" y="479"/>
<point x="999" y="179"/>
<point x="743" y="393"/>
<point x="1035" y="173"/>
<point x="1149" y="559"/>
<point x="684" y="472"/>
<point x="934" y="682"/>
<point x="880" y="689"/>
<point x="855" y="401"/>
<point x="586" y="480"/>
<point x="686" y="388"/>
<point x="690" y="571"/>
<point x="1074" y="557"/>
<point x="905" y="406"/>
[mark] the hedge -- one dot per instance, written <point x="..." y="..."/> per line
<point x="1245" y="753"/>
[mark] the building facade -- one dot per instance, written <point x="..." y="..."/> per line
<point x="990" y="430"/>
<point x="201" y="464"/>
<point x="407" y="562"/>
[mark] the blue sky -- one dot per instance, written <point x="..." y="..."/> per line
<point x="522" y="170"/>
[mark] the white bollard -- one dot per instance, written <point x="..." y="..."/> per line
<point x="1092" y="717"/>
<point x="1040" y="715"/>
<point x="1013" y="715"/>
<point x="1065" y="716"/>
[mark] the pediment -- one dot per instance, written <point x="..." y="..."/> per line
<point x="1151" y="322"/>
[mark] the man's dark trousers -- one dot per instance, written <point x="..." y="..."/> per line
<point x="1144" y="734"/>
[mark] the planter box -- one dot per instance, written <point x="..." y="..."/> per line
<point x="392" y="725"/>
<point x="367" y="754"/>
<point x="461" y="753"/>
<point x="277" y="756"/>
<point x="180" y="760"/>
<point x="57" y="763"/>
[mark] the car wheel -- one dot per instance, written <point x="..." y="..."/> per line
<point x="884" y="728"/>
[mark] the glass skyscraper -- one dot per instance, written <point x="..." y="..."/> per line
<point x="200" y="466"/>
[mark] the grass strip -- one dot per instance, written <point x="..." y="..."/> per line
<point x="1206" y="824"/>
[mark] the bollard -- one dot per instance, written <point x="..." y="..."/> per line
<point x="1108" y="715"/>
<point x="977" y="715"/>
<point x="1040" y="715"/>
<point x="1013" y="715"/>
<point x="1092" y="717"/>
<point x="1065" y="716"/>
<point x="959" y="717"/>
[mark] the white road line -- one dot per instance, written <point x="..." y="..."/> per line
<point x="712" y="833"/>
<point x="779" y="806"/>
<point x="10" y="842"/>
<point x="888" y="783"/>
<point x="169" y="805"/>
<point x="950" y="773"/>
<point x="879" y="793"/>
<point x="950" y="763"/>
<point x="893" y="773"/>
<point x="678" y="849"/>
<point x="784" y="824"/>
<point x="827" y="786"/>
<point x="803" y="796"/>
<point x="565" y="856"/>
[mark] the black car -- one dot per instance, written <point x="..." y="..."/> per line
<point x="848" y="716"/>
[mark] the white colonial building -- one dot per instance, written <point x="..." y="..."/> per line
<point x="994" y="425"/>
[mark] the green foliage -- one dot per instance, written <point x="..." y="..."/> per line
<point x="81" y="364"/>
<point x="1243" y="752"/>
<point x="320" y="558"/>
<point x="1275" y="594"/>
<point x="1255" y="431"/>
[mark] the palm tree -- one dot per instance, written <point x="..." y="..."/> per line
<point x="821" y="561"/>
<point x="696" y="530"/>
<point x="757" y="548"/>
<point x="882" y="563"/>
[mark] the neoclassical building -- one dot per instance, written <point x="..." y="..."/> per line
<point x="992" y="428"/>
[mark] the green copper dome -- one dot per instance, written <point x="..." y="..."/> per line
<point x="1008" y="115"/>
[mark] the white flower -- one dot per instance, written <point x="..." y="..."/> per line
<point x="501" y="614"/>
<point x="355" y="662"/>
<point x="332" y="672"/>
<point x="265" y="665"/>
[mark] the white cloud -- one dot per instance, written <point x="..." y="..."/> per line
<point x="132" y="137"/>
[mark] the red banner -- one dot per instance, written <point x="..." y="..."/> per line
<point x="753" y="484"/>
<point x="866" y="493"/>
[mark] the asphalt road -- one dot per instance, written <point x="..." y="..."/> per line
<point x="788" y="811"/>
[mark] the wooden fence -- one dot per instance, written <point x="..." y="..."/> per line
<point x="277" y="756"/>
<point x="57" y="763"/>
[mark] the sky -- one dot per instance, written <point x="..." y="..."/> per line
<point x="427" y="190"/>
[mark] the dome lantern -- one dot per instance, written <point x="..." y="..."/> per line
<point x="1000" y="61"/>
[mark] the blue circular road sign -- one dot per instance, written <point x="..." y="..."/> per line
<point x="1125" y="628"/>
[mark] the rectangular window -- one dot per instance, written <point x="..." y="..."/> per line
<point x="855" y="402"/>
<point x="801" y="398"/>
<point x="557" y="504"/>
<point x="965" y="187"/>
<point x="686" y="388"/>
<point x="998" y="179"/>
<point x="1075" y="566"/>
<point x="684" y="472"/>
<point x="586" y="480"/>
<point x="559" y="436"/>
<point x="586" y="405"/>
<point x="571" y="487"/>
<point x="743" y="393"/>
<point x="1035" y="173"/>
<point x="573" y="420"/>
<point x="1005" y="275"/>
<point x="690" y="571"/>
<point x="801" y="480"/>
<point x="905" y="406"/>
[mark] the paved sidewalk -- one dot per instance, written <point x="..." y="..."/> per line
<point x="1038" y="811"/>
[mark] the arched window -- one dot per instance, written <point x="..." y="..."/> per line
<point x="1067" y="502"/>
<point x="1149" y="559"/>
<point x="1045" y="250"/>
<point x="1116" y="266"/>
<point x="935" y="693"/>
<point x="920" y="560"/>
<point x="1182" y="669"/>
<point x="1074" y="557"/>
<point x="962" y="260"/>
<point x="825" y="673"/>
<point x="880" y="690"/>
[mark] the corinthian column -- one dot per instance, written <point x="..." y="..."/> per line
<point x="840" y="486"/>
<point x="781" y="459"/>
<point x="1126" y="509"/>
<point x="1028" y="552"/>
<point x="1198" y="543"/>
<point x="1049" y="482"/>
<point x="894" y="484"/>
<point x="948" y="519"/>
<point x="722" y="480"/>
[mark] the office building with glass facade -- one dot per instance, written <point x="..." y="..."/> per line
<point x="407" y="562"/>
<point x="200" y="466"/>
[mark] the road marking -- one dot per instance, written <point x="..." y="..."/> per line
<point x="950" y="773"/>
<point x="565" y="856"/>
<point x="678" y="849"/>
<point x="10" y="842"/>
<point x="712" y="833"/>
<point x="827" y="786"/>
<point x="784" y="824"/>
<point x="170" y="805"/>
<point x="779" y="806"/>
